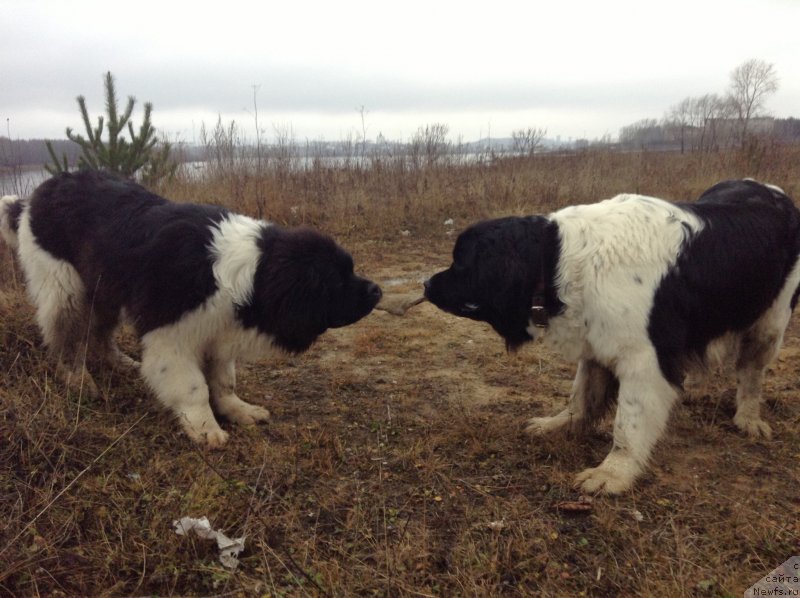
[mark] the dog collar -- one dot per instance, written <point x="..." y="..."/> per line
<point x="538" y="313"/>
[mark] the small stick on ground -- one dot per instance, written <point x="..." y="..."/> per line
<point x="398" y="305"/>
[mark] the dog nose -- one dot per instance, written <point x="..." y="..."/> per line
<point x="374" y="291"/>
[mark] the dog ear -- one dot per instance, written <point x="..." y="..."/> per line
<point x="290" y="298"/>
<point x="520" y="256"/>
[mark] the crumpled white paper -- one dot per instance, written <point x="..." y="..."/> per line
<point x="229" y="549"/>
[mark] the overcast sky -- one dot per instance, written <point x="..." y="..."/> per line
<point x="576" y="68"/>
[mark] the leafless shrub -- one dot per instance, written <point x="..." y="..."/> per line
<point x="528" y="141"/>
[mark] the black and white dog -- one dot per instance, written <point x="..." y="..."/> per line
<point x="202" y="285"/>
<point x="636" y="290"/>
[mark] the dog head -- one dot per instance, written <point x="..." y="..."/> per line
<point x="498" y="266"/>
<point x="305" y="284"/>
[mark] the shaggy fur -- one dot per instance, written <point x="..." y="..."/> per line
<point x="202" y="286"/>
<point x="636" y="290"/>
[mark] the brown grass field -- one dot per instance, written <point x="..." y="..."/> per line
<point x="395" y="462"/>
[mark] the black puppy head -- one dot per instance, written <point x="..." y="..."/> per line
<point x="305" y="284"/>
<point x="497" y="265"/>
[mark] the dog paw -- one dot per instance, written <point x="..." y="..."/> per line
<point x="755" y="427"/>
<point x="203" y="429"/>
<point x="212" y="438"/>
<point x="239" y="412"/>
<point x="89" y="386"/>
<point x="124" y="362"/>
<point x="248" y="415"/>
<point x="539" y="426"/>
<point x="215" y="439"/>
<point x="613" y="476"/>
<point x="79" y="381"/>
<point x="602" y="480"/>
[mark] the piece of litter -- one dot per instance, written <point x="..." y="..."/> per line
<point x="229" y="549"/>
<point x="449" y="222"/>
<point x="637" y="515"/>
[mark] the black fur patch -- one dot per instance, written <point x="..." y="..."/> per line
<point x="14" y="212"/>
<point x="304" y="284"/>
<point x="727" y="275"/>
<point x="131" y="247"/>
<point x="497" y="267"/>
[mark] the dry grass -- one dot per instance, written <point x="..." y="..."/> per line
<point x="395" y="462"/>
<point x="394" y="195"/>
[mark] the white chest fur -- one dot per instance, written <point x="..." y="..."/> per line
<point x="613" y="256"/>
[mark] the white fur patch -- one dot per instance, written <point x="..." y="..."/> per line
<point x="773" y="187"/>
<point x="171" y="364"/>
<point x="237" y="254"/>
<point x="613" y="256"/>
<point x="54" y="286"/>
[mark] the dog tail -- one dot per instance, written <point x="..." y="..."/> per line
<point x="10" y="212"/>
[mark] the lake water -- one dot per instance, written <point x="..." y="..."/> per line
<point x="22" y="182"/>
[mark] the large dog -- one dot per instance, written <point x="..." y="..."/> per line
<point x="202" y="285"/>
<point x="636" y="290"/>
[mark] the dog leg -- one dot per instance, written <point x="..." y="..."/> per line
<point x="759" y="346"/>
<point x="179" y="384"/>
<point x="77" y="378"/>
<point x="70" y="353"/>
<point x="104" y="348"/>
<point x="117" y="359"/>
<point x="222" y="384"/>
<point x="108" y="352"/>
<point x="62" y="319"/>
<point x="593" y="390"/>
<point x="645" y="400"/>
<point x="748" y="403"/>
<point x="56" y="290"/>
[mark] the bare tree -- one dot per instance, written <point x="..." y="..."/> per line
<point x="711" y="111"/>
<point x="527" y="141"/>
<point x="259" y="164"/>
<point x="694" y="122"/>
<point x="752" y="82"/>
<point x="284" y="151"/>
<point x="679" y="121"/>
<point x="429" y="145"/>
<point x="642" y="133"/>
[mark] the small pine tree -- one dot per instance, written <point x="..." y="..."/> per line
<point x="117" y="154"/>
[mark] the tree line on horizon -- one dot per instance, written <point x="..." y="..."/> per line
<point x="713" y="121"/>
<point x="710" y="122"/>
